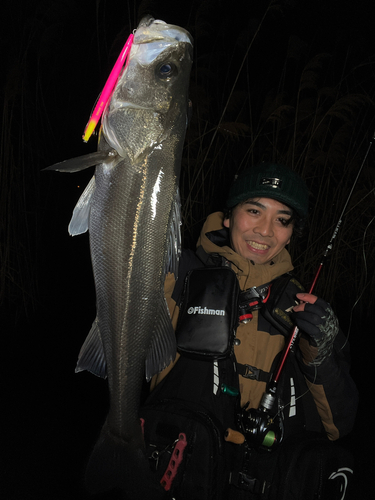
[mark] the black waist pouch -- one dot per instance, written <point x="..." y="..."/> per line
<point x="208" y="313"/>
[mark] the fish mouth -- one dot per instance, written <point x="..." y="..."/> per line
<point x="146" y="21"/>
<point x="153" y="30"/>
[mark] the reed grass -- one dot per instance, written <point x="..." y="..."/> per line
<point x="255" y="98"/>
<point x="316" y="116"/>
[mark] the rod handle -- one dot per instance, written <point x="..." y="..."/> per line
<point x="233" y="436"/>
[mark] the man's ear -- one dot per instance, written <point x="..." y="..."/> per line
<point x="226" y="222"/>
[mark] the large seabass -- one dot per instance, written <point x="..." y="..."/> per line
<point x="131" y="209"/>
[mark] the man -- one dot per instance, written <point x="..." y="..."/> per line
<point x="267" y="204"/>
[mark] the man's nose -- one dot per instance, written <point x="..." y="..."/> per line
<point x="264" y="227"/>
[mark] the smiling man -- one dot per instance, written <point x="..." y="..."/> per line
<point x="262" y="224"/>
<point x="260" y="229"/>
<point x="266" y="207"/>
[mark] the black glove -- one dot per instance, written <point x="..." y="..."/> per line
<point x="320" y="325"/>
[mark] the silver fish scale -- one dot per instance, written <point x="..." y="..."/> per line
<point x="128" y="247"/>
<point x="131" y="127"/>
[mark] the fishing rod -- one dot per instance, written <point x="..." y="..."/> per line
<point x="258" y="426"/>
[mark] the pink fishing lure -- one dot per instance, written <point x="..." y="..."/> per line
<point x="107" y="90"/>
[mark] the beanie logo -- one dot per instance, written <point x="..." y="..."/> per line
<point x="273" y="182"/>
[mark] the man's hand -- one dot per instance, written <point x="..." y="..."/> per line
<point x="315" y="318"/>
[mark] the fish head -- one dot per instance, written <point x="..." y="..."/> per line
<point x="150" y="100"/>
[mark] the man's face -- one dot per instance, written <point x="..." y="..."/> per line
<point x="259" y="229"/>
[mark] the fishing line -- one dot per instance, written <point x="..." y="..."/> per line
<point x="364" y="288"/>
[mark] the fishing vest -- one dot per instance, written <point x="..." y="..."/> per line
<point x="186" y="417"/>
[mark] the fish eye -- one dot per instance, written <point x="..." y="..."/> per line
<point x="166" y="70"/>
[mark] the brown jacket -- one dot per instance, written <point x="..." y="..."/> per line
<point x="256" y="348"/>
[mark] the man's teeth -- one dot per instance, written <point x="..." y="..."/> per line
<point x="258" y="246"/>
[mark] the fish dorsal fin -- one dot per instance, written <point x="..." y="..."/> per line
<point x="91" y="356"/>
<point x="83" y="162"/>
<point x="174" y="238"/>
<point x="162" y="350"/>
<point x="79" y="222"/>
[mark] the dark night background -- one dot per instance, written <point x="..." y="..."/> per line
<point x="56" y="56"/>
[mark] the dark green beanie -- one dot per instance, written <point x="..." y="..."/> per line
<point x="269" y="180"/>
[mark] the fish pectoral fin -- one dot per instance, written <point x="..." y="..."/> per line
<point x="162" y="350"/>
<point x="83" y="162"/>
<point x="79" y="222"/>
<point x="91" y="356"/>
<point x="174" y="238"/>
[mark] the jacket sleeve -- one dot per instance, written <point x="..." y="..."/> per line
<point x="333" y="389"/>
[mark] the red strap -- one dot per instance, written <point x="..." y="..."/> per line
<point x="246" y="316"/>
<point x="174" y="462"/>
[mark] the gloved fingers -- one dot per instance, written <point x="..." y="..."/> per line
<point x="316" y="319"/>
<point x="322" y="304"/>
<point x="313" y="317"/>
<point x="312" y="314"/>
<point x="309" y="328"/>
<point x="316" y="310"/>
<point x="309" y="298"/>
<point x="304" y="298"/>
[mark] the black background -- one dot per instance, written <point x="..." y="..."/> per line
<point x="53" y="415"/>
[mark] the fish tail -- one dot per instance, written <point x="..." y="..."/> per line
<point x="119" y="465"/>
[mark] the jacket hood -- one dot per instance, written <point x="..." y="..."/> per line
<point x="214" y="239"/>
